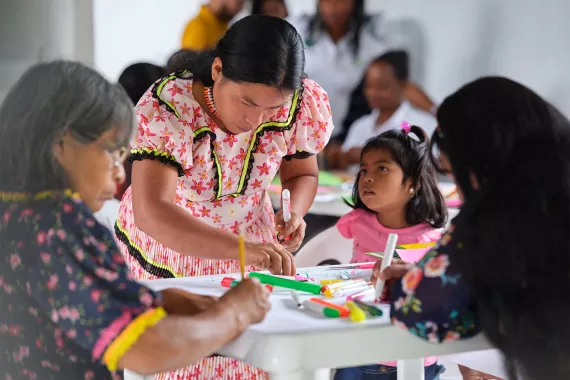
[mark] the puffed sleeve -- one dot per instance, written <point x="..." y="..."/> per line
<point x="165" y="115"/>
<point x="313" y="125"/>
<point x="346" y="222"/>
<point x="433" y="301"/>
<point x="81" y="281"/>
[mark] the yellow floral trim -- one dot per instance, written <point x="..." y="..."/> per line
<point x="161" y="87"/>
<point x="9" y="196"/>
<point x="256" y="134"/>
<point x="129" y="336"/>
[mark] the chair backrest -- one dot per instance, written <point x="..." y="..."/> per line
<point x="327" y="246"/>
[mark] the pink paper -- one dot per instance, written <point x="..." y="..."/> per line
<point x="412" y="255"/>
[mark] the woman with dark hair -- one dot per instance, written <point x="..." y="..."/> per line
<point x="70" y="308"/>
<point x="503" y="266"/>
<point x="211" y="139"/>
<point x="274" y="8"/>
<point x="383" y="86"/>
<point x="341" y="40"/>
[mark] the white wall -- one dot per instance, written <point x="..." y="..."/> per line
<point x="34" y="31"/>
<point x="524" y="39"/>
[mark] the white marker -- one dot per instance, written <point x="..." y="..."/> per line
<point x="286" y="205"/>
<point x="296" y="298"/>
<point x="350" y="291"/>
<point x="386" y="262"/>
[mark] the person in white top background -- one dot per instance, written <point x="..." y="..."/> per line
<point x="384" y="85"/>
<point x="341" y="40"/>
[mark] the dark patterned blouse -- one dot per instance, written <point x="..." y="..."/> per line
<point x="433" y="301"/>
<point x="68" y="306"/>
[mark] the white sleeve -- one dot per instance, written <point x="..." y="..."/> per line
<point x="354" y="137"/>
<point x="107" y="216"/>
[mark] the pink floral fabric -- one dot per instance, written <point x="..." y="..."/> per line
<point x="222" y="181"/>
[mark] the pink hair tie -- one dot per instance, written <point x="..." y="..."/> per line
<point x="407" y="127"/>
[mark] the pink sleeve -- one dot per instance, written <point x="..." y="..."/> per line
<point x="346" y="222"/>
<point x="313" y="126"/>
<point x="164" y="116"/>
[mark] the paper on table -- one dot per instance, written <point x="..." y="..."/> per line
<point x="412" y="255"/>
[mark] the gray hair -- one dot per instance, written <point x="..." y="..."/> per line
<point x="49" y="100"/>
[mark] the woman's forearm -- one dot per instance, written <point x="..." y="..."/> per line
<point x="178" y="341"/>
<point x="176" y="229"/>
<point x="303" y="190"/>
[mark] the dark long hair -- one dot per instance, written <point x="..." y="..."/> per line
<point x="514" y="228"/>
<point x="138" y="77"/>
<point x="357" y="20"/>
<point x="49" y="100"/>
<point x="400" y="62"/>
<point x="256" y="49"/>
<point x="427" y="206"/>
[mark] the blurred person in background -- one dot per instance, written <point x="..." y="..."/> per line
<point x="205" y="30"/>
<point x="341" y="40"/>
<point x="274" y="8"/>
<point x="383" y="88"/>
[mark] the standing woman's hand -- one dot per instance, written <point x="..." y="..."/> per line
<point x="292" y="233"/>
<point x="270" y="256"/>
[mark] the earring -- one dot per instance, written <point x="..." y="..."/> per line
<point x="412" y="193"/>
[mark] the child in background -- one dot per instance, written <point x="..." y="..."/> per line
<point x="385" y="83"/>
<point x="395" y="192"/>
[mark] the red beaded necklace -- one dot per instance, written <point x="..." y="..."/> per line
<point x="209" y="98"/>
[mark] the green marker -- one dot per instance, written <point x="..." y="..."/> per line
<point x="370" y="309"/>
<point x="286" y="283"/>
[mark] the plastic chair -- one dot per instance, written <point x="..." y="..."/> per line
<point x="328" y="247"/>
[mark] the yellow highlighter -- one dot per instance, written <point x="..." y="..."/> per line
<point x="416" y="245"/>
<point x="356" y="313"/>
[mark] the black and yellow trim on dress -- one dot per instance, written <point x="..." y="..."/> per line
<point x="161" y="270"/>
<point x="166" y="158"/>
<point x="149" y="265"/>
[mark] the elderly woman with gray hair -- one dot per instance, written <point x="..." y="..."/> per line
<point x="70" y="309"/>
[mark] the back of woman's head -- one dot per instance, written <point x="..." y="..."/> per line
<point x="409" y="149"/>
<point x="138" y="77"/>
<point x="48" y="101"/>
<point x="256" y="49"/>
<point x="510" y="154"/>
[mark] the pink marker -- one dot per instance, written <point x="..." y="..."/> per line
<point x="362" y="295"/>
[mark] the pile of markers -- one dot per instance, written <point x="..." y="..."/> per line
<point x="356" y="296"/>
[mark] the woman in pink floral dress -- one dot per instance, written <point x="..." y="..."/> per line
<point x="211" y="139"/>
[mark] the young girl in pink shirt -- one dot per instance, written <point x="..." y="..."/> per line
<point x="395" y="192"/>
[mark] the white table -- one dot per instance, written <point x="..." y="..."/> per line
<point x="292" y="345"/>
